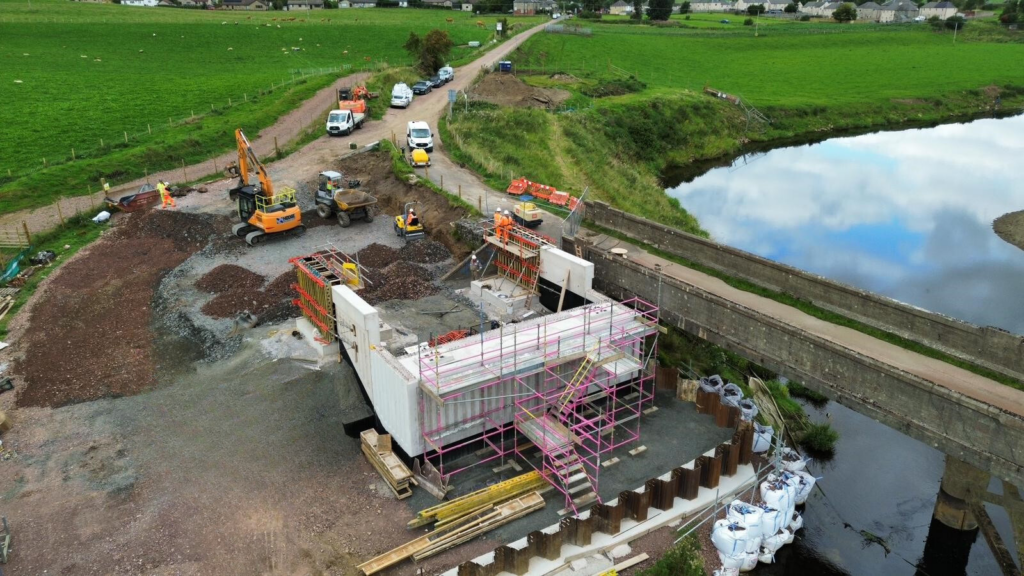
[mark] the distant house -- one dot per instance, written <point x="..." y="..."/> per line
<point x="775" y="5"/>
<point x="869" y="11"/>
<point x="167" y="4"/>
<point x="147" y="3"/>
<point x="467" y="5"/>
<point x="525" y="7"/>
<point x="712" y="6"/>
<point x="257" y="5"/>
<point x="898" y="11"/>
<point x="304" y="4"/>
<point x="812" y="8"/>
<point x="438" y="3"/>
<point x="363" y="3"/>
<point x="941" y="9"/>
<point x="620" y="8"/>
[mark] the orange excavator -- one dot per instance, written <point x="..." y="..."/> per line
<point x="354" y="99"/>
<point x="263" y="211"/>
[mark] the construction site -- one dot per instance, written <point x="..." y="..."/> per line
<point x="190" y="402"/>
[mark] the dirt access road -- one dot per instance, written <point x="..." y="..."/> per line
<point x="286" y="129"/>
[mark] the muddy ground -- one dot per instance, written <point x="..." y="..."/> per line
<point x="1010" y="227"/>
<point x="159" y="427"/>
<point x="507" y="90"/>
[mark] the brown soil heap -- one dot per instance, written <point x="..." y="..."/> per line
<point x="376" y="256"/>
<point x="271" y="304"/>
<point x="507" y="90"/>
<point x="89" y="336"/>
<point x="401" y="280"/>
<point x="228" y="277"/>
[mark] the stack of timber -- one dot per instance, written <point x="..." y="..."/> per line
<point x="457" y="532"/>
<point x="377" y="449"/>
<point x="484" y="499"/>
<point x="6" y="303"/>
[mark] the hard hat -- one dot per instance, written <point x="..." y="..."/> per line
<point x="474" y="256"/>
<point x="506" y="212"/>
<point x="497" y="209"/>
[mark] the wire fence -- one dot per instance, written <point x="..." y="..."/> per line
<point x="152" y="132"/>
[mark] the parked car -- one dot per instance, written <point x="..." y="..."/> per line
<point x="723" y="21"/>
<point x="422" y="87"/>
<point x="401" y="95"/>
<point x="447" y="74"/>
<point x="436" y="82"/>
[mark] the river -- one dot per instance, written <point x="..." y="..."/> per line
<point x="905" y="214"/>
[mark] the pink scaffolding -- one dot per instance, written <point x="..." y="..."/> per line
<point x="572" y="384"/>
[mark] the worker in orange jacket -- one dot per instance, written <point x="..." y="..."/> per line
<point x="505" y="227"/>
<point x="497" y="219"/>
<point x="165" y="195"/>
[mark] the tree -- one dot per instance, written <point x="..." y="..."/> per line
<point x="431" y="52"/>
<point x="660" y="9"/>
<point x="956" y="22"/>
<point x="755" y="9"/>
<point x="684" y="8"/>
<point x="748" y="22"/>
<point x="1013" y="11"/>
<point x="638" y="10"/>
<point x="845" y="13"/>
<point x="791" y="8"/>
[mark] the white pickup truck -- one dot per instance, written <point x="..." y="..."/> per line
<point x="343" y="122"/>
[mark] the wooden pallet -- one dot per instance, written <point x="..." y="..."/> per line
<point x="377" y="449"/>
<point x="6" y="303"/>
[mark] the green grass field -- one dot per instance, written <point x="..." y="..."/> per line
<point x="72" y="74"/>
<point x="790" y="64"/>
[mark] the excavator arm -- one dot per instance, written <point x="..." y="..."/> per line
<point x="247" y="160"/>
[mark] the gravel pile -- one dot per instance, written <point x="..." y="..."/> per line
<point x="270" y="304"/>
<point x="229" y="277"/>
<point x="377" y="256"/>
<point x="424" y="252"/>
<point x="401" y="280"/>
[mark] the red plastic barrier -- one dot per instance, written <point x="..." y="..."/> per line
<point x="518" y="187"/>
<point x="573" y="201"/>
<point x="559" y="198"/>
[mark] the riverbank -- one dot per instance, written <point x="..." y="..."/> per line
<point x="1010" y="227"/>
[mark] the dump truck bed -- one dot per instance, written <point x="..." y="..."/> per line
<point x="352" y="199"/>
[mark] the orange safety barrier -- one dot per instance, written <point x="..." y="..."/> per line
<point x="518" y="187"/>
<point x="573" y="201"/>
<point x="541" y="191"/>
<point x="559" y="198"/>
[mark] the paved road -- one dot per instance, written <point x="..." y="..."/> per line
<point x="286" y="129"/>
<point x="935" y="371"/>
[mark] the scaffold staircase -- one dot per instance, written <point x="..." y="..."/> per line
<point x="561" y="463"/>
<point x="583" y="376"/>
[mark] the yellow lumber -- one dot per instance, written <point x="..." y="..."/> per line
<point x="462" y="505"/>
<point x="503" y="514"/>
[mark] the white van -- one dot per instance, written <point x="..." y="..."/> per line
<point x="401" y="95"/>
<point x="446" y="74"/>
<point x="343" y="122"/>
<point x="417" y="135"/>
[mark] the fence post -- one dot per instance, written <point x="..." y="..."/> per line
<point x="276" y="149"/>
<point x="149" y="128"/>
<point x="28" y="237"/>
<point x="126" y="137"/>
<point x="442" y="181"/>
<point x="184" y="173"/>
<point x="460" y="191"/>
<point x="72" y="154"/>
<point x="60" y="213"/>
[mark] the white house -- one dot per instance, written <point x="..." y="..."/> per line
<point x="898" y="11"/>
<point x="304" y="4"/>
<point x="941" y="9"/>
<point x="140" y="2"/>
<point x="621" y="8"/>
<point x="776" y="5"/>
<point x="869" y="11"/>
<point x="712" y="6"/>
<point x="812" y="8"/>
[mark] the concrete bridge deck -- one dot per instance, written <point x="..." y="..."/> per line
<point x="966" y="415"/>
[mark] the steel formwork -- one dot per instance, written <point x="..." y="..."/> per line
<point x="572" y="384"/>
<point x="316" y="274"/>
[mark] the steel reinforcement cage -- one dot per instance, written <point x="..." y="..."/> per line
<point x="589" y="371"/>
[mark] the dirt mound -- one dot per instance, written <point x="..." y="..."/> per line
<point x="507" y="90"/>
<point x="228" y="277"/>
<point x="1010" y="227"/>
<point x="401" y="280"/>
<point x="89" y="335"/>
<point x="377" y="256"/>
<point x="270" y="304"/>
<point x="424" y="252"/>
<point x="374" y="170"/>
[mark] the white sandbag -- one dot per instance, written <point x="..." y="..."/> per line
<point x="727" y="572"/>
<point x="101" y="217"/>
<point x="748" y="516"/>
<point x="731" y="395"/>
<point x="711" y="384"/>
<point x="732" y="539"/>
<point x="748" y="410"/>
<point x="804" y="484"/>
<point x="749" y="562"/>
<point x="765" y="557"/>
<point x="792" y="460"/>
<point x="762" y="438"/>
<point x="772" y="520"/>
<point x="796" y="522"/>
<point x="772" y="544"/>
<point x="778" y="495"/>
<point x="732" y="562"/>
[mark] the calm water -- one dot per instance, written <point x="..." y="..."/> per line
<point x="905" y="214"/>
<point x="909" y="215"/>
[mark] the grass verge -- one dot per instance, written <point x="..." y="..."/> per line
<point x="403" y="170"/>
<point x="78" y="232"/>
<point x="683" y="559"/>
